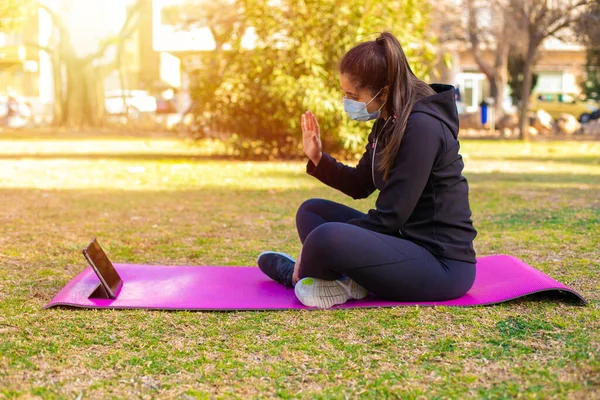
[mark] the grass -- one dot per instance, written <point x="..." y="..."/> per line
<point x="160" y="201"/>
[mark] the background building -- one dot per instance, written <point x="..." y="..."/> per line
<point x="158" y="53"/>
<point x="560" y="69"/>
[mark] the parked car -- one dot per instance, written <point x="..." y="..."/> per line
<point x="556" y="104"/>
<point x="14" y="112"/>
<point x="130" y="102"/>
<point x="164" y="106"/>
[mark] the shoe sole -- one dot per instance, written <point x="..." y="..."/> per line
<point x="354" y="290"/>
<point x="285" y="255"/>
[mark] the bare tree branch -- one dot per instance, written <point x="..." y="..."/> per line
<point x="541" y="19"/>
<point x="56" y="19"/>
<point x="473" y="32"/>
<point x="125" y="32"/>
<point x="38" y="46"/>
<point x="569" y="21"/>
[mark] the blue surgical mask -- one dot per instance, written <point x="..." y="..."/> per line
<point x="357" y="110"/>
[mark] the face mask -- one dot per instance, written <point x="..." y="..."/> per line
<point x="357" y="110"/>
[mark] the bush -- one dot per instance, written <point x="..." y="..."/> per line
<point x="262" y="92"/>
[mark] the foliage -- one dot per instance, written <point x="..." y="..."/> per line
<point x="588" y="25"/>
<point x="588" y="28"/>
<point x="516" y="66"/>
<point x="12" y="14"/>
<point x="227" y="24"/>
<point x="261" y="93"/>
<point x="591" y="86"/>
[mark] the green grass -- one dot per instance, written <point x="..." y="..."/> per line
<point x="161" y="201"/>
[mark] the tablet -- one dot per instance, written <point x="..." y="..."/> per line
<point x="110" y="280"/>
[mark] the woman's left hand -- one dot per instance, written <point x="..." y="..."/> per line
<point x="295" y="275"/>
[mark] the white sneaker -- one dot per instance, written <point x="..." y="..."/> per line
<point x="324" y="294"/>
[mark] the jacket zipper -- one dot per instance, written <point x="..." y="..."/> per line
<point x="373" y="161"/>
<point x="375" y="151"/>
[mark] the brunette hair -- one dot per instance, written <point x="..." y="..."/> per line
<point x="376" y="64"/>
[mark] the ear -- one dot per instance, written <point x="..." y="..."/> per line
<point x="384" y="93"/>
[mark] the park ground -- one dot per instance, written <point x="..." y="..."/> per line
<point x="159" y="200"/>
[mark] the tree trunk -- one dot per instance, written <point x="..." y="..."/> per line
<point x="503" y="82"/>
<point x="99" y="98"/>
<point x="493" y="86"/>
<point x="67" y="96"/>
<point x="494" y="95"/>
<point x="90" y="98"/>
<point x="84" y="107"/>
<point x="499" y="100"/>
<point x="57" y="108"/>
<point x="501" y="76"/>
<point x="525" y="93"/>
<point x="122" y="82"/>
<point x="81" y="95"/>
<point x="74" y="90"/>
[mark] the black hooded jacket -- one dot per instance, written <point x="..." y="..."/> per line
<point x="425" y="198"/>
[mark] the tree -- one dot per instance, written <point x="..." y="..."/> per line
<point x="496" y="33"/>
<point x="591" y="85"/>
<point x="516" y="67"/>
<point x="588" y="25"/>
<point x="539" y="20"/>
<point x="78" y="81"/>
<point x="588" y="29"/>
<point x="225" y="20"/>
<point x="261" y="92"/>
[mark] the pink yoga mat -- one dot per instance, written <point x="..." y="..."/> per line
<point x="499" y="278"/>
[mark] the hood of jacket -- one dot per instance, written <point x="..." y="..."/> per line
<point x="441" y="105"/>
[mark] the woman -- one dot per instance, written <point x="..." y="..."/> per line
<point x="417" y="243"/>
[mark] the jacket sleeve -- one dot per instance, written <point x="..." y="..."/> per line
<point x="422" y="141"/>
<point x="356" y="182"/>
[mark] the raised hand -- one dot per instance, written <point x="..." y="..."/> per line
<point x="311" y="137"/>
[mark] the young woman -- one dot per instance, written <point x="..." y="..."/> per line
<point x="417" y="243"/>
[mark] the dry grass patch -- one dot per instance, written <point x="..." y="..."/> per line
<point x="159" y="201"/>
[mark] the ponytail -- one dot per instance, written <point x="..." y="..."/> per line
<point x="405" y="89"/>
<point x="382" y="62"/>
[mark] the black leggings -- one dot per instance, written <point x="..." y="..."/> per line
<point x="388" y="266"/>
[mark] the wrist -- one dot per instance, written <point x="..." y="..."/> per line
<point x="317" y="160"/>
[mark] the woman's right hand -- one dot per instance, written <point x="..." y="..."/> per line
<point x="311" y="137"/>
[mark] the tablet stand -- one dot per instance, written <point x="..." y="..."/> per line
<point x="110" y="281"/>
<point x="99" y="293"/>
